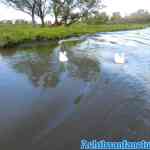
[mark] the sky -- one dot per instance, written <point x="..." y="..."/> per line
<point x="124" y="6"/>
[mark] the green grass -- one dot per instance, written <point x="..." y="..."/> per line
<point x="11" y="35"/>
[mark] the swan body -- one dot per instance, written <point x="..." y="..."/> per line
<point x="119" y="58"/>
<point x="63" y="57"/>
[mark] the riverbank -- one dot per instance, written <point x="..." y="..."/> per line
<point x="13" y="35"/>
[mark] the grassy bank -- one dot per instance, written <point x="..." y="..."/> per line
<point x="11" y="35"/>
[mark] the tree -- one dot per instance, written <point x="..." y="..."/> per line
<point x="42" y="8"/>
<point x="98" y="18"/>
<point x="70" y="11"/>
<point x="140" y="16"/>
<point x="67" y="11"/>
<point x="32" y="7"/>
<point x="90" y="7"/>
<point x="141" y="12"/>
<point x="63" y="11"/>
<point x="116" y="17"/>
<point x="56" y="9"/>
<point x="26" y="6"/>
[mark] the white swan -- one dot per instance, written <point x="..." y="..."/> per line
<point x="63" y="56"/>
<point x="119" y="58"/>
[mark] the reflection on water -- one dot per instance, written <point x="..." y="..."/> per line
<point x="43" y="101"/>
<point x="38" y="68"/>
<point x="42" y="91"/>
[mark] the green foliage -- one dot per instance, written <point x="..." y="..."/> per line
<point x="116" y="16"/>
<point x="64" y="11"/>
<point x="16" y="34"/>
<point x="140" y="16"/>
<point x="70" y="11"/>
<point x="98" y="19"/>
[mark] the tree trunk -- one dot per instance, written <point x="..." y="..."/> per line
<point x="56" y="19"/>
<point x="33" y="15"/>
<point x="42" y="21"/>
<point x="33" y="20"/>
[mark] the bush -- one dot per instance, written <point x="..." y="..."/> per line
<point x="98" y="19"/>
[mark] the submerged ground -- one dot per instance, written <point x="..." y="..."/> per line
<point x="48" y="105"/>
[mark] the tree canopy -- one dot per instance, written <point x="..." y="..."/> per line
<point x="64" y="11"/>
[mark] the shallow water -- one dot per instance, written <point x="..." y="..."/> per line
<point x="45" y="104"/>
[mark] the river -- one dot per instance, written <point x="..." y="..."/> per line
<point x="49" y="105"/>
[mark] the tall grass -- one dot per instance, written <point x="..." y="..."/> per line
<point x="14" y="34"/>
